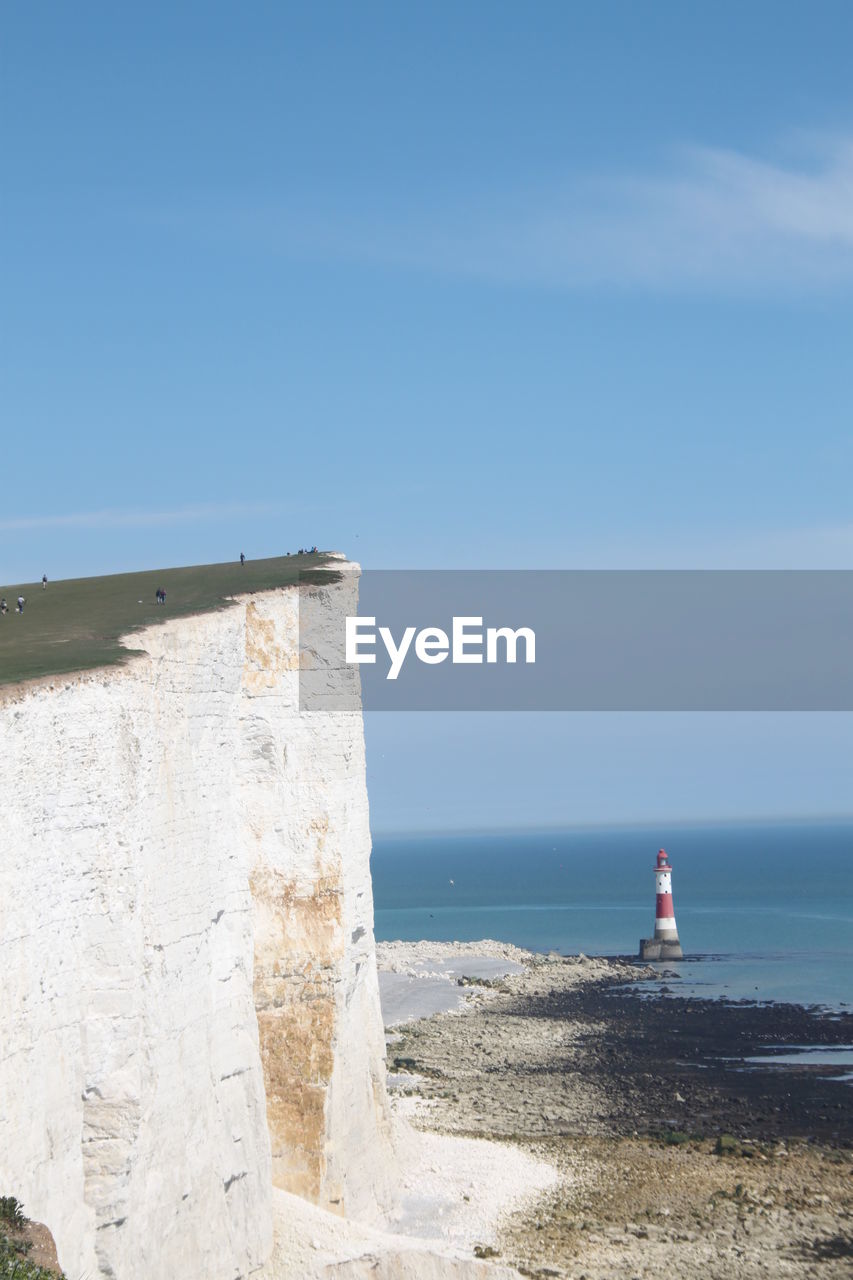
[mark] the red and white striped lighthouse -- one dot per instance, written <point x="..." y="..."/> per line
<point x="665" y="944"/>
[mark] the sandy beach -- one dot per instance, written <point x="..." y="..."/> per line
<point x="667" y="1152"/>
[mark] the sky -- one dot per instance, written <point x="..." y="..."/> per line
<point x="481" y="285"/>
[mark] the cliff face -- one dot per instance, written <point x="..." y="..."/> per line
<point x="190" y="1009"/>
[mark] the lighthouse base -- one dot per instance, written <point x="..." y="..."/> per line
<point x="660" y="949"/>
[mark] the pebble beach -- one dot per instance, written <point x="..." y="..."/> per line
<point x="669" y="1153"/>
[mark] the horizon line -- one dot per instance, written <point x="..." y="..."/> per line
<point x="755" y="820"/>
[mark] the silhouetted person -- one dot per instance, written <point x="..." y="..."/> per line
<point x="242" y="558"/>
<point x="43" y="581"/>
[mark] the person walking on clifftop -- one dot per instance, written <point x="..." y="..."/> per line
<point x="242" y="558"/>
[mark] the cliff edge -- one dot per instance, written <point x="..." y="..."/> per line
<point x="190" y="1007"/>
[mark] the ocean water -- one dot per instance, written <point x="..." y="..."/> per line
<point x="764" y="912"/>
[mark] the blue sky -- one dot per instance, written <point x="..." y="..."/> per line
<point x="442" y="285"/>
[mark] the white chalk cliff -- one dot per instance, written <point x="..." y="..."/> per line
<point x="190" y="1010"/>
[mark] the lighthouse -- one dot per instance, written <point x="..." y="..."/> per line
<point x="664" y="945"/>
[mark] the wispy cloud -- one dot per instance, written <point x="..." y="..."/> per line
<point x="704" y="218"/>
<point x="116" y="518"/>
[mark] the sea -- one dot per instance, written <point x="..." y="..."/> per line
<point x="764" y="911"/>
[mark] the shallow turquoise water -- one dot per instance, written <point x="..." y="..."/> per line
<point x="764" y="912"/>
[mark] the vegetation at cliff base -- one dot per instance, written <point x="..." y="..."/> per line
<point x="14" y="1264"/>
<point x="75" y="624"/>
<point x="17" y="1242"/>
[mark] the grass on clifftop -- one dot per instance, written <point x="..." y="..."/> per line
<point x="75" y="624"/>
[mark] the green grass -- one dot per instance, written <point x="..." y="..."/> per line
<point x="75" y="624"/>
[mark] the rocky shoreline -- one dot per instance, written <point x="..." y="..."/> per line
<point x="674" y="1155"/>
